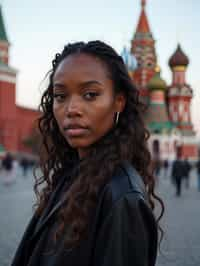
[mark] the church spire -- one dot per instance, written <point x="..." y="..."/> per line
<point x="4" y="43"/>
<point x="143" y="48"/>
<point x="143" y="25"/>
<point x="143" y="3"/>
<point x="3" y="35"/>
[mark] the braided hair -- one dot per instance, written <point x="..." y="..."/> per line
<point x="127" y="141"/>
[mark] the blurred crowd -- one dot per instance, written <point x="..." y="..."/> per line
<point x="10" y="166"/>
<point x="179" y="171"/>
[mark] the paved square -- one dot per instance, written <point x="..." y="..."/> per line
<point x="181" y="222"/>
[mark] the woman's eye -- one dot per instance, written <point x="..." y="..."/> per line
<point x="91" y="95"/>
<point x="59" y="97"/>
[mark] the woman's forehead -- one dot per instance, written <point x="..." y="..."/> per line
<point x="81" y="65"/>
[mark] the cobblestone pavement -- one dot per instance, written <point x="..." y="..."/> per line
<point x="16" y="201"/>
<point x="181" y="222"/>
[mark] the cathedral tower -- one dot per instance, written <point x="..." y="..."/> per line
<point x="157" y="116"/>
<point x="8" y="136"/>
<point x="143" y="48"/>
<point x="180" y="93"/>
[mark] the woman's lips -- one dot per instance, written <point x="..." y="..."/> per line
<point x="75" y="132"/>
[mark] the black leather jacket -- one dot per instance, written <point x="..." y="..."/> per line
<point x="123" y="230"/>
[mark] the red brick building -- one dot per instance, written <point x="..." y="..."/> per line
<point x="16" y="123"/>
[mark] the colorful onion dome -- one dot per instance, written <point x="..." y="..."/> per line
<point x="156" y="82"/>
<point x="178" y="58"/>
<point x="129" y="59"/>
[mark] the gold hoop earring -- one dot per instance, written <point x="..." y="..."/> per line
<point x="117" y="118"/>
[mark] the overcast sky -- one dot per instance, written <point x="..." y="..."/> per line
<point x="38" y="29"/>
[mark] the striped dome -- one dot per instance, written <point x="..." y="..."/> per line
<point x="178" y="58"/>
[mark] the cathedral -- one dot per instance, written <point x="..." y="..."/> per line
<point x="167" y="115"/>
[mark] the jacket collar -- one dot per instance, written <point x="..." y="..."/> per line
<point x="136" y="180"/>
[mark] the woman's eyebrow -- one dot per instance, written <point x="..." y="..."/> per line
<point x="81" y="85"/>
<point x="59" y="85"/>
<point x="90" y="82"/>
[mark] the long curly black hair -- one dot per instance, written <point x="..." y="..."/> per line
<point x="126" y="141"/>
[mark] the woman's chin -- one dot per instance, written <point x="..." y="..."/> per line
<point x="76" y="144"/>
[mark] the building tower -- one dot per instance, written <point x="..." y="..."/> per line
<point x="143" y="47"/>
<point x="8" y="136"/>
<point x="4" y="44"/>
<point x="157" y="116"/>
<point x="180" y="93"/>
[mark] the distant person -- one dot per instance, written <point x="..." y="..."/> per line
<point x="165" y="167"/>
<point x="15" y="167"/>
<point x="24" y="163"/>
<point x="178" y="173"/>
<point x="96" y="193"/>
<point x="157" y="167"/>
<point x="198" y="174"/>
<point x="7" y="166"/>
<point x="187" y="168"/>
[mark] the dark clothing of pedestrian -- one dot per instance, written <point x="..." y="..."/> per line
<point x="165" y="166"/>
<point x="187" y="168"/>
<point x="198" y="166"/>
<point x="122" y="231"/>
<point x="7" y="162"/>
<point x="178" y="174"/>
<point x="198" y="174"/>
<point x="156" y="166"/>
<point x="24" y="164"/>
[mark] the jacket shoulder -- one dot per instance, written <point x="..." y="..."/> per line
<point x="125" y="180"/>
<point x="125" y="209"/>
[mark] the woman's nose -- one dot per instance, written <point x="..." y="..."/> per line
<point x="73" y="107"/>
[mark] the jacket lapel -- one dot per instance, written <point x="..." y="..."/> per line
<point x="47" y="219"/>
<point x="50" y="209"/>
<point x="135" y="179"/>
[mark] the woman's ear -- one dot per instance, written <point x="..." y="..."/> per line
<point x="120" y="102"/>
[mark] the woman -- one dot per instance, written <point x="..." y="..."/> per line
<point x="95" y="205"/>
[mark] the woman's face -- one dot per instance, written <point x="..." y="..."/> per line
<point x="84" y="104"/>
